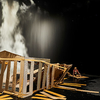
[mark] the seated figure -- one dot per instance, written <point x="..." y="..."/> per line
<point x="76" y="72"/>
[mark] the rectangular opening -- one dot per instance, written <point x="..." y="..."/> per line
<point x="39" y="76"/>
<point x="36" y="65"/>
<point x="11" y="75"/>
<point x="14" y="77"/>
<point x="44" y="76"/>
<point x="35" y="75"/>
<point x="17" y="77"/>
<point x="28" y="76"/>
<point x="42" y="73"/>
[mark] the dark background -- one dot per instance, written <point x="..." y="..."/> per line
<point x="76" y="38"/>
<point x="80" y="39"/>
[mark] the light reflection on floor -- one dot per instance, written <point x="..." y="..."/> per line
<point x="93" y="84"/>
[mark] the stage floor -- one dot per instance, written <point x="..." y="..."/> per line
<point x="92" y="83"/>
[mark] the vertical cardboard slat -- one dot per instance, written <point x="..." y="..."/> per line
<point x="52" y="77"/>
<point x="39" y="76"/>
<point x="44" y="77"/>
<point x="48" y="77"/>
<point x="21" y="76"/>
<point x="2" y="72"/>
<point x="14" y="76"/>
<point x="25" y="77"/>
<point x="8" y="75"/>
<point x="31" y="78"/>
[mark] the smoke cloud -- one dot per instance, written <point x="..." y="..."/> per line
<point x="41" y="31"/>
<point x="11" y="38"/>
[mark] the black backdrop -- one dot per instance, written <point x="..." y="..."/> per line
<point x="80" y="45"/>
<point x="78" y="41"/>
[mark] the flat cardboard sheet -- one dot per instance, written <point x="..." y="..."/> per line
<point x="78" y="77"/>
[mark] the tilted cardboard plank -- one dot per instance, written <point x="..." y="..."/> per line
<point x="40" y="98"/>
<point x="9" y="98"/>
<point x="75" y="89"/>
<point x="45" y="63"/>
<point x="50" y="96"/>
<point x="3" y="96"/>
<point x="51" y="92"/>
<point x="41" y="95"/>
<point x="12" y="59"/>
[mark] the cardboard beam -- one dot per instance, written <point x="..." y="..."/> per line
<point x="52" y="77"/>
<point x="25" y="77"/>
<point x="1" y="77"/>
<point x="8" y="76"/>
<point x="31" y="78"/>
<point x="48" y="77"/>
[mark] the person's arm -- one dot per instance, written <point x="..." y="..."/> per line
<point x="78" y="72"/>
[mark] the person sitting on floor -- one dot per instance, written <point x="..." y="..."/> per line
<point x="76" y="72"/>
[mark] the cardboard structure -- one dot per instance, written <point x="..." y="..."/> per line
<point x="29" y="79"/>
